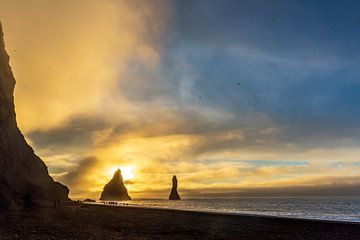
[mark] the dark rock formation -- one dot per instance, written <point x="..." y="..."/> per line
<point x="115" y="190"/>
<point x="24" y="178"/>
<point x="174" y="195"/>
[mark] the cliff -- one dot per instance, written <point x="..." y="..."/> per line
<point x="24" y="178"/>
<point x="115" y="190"/>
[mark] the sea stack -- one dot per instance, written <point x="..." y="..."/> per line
<point x="174" y="195"/>
<point x="24" y="179"/>
<point x="115" y="190"/>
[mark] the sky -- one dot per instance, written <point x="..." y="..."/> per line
<point x="236" y="98"/>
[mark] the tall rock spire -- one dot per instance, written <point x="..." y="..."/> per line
<point x="174" y="195"/>
<point x="115" y="190"/>
<point x="24" y="179"/>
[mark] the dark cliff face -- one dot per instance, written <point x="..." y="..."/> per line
<point x="24" y="179"/>
<point x="115" y="190"/>
<point x="174" y="195"/>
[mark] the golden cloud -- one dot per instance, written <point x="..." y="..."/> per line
<point x="68" y="56"/>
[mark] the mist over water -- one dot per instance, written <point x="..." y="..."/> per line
<point x="324" y="208"/>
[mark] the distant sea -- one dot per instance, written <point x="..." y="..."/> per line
<point x="324" y="208"/>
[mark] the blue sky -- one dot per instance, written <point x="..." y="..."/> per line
<point x="294" y="60"/>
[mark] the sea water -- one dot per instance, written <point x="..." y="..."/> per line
<point x="324" y="208"/>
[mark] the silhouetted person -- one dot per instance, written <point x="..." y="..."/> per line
<point x="174" y="195"/>
<point x="56" y="203"/>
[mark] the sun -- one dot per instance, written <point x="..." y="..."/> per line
<point x="127" y="172"/>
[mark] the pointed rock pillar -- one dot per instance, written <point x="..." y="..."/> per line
<point x="174" y="195"/>
<point x="115" y="190"/>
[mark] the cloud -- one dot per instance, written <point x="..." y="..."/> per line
<point x="296" y="191"/>
<point x="80" y="172"/>
<point x="125" y="83"/>
<point x="68" y="56"/>
<point x="204" y="154"/>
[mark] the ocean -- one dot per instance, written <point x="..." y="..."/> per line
<point x="324" y="208"/>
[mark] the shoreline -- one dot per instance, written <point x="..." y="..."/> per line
<point x="244" y="214"/>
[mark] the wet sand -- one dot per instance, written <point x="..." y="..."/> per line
<point x="84" y="221"/>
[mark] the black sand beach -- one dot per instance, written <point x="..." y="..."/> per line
<point x="108" y="222"/>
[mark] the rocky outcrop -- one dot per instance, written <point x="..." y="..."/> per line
<point x="174" y="195"/>
<point x="115" y="190"/>
<point x="24" y="178"/>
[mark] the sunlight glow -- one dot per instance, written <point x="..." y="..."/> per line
<point x="127" y="172"/>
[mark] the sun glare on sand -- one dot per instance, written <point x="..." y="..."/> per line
<point x="127" y="172"/>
